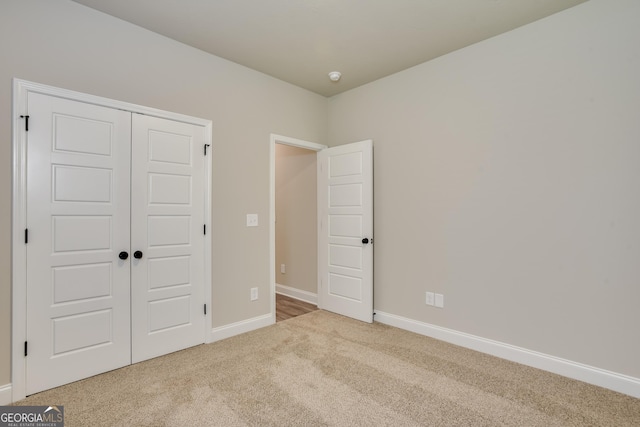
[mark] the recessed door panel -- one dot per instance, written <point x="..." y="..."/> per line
<point x="169" y="313"/>
<point x="81" y="134"/>
<point x="168" y="271"/>
<point x="345" y="226"/>
<point x="345" y="287"/>
<point x="81" y="233"/>
<point x="169" y="189"/>
<point x="81" y="282"/>
<point x="76" y="184"/>
<point x="349" y="164"/>
<point x="169" y="230"/>
<point x="82" y="331"/>
<point x="345" y="256"/>
<point x="345" y="195"/>
<point x="169" y="147"/>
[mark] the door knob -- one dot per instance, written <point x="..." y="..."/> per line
<point x="365" y="241"/>
<point x="137" y="254"/>
<point x="123" y="255"/>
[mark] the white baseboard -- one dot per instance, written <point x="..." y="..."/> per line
<point x="578" y="371"/>
<point x="297" y="294"/>
<point x="241" y="327"/>
<point x="5" y="394"/>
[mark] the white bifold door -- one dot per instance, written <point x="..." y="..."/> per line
<point x="115" y="247"/>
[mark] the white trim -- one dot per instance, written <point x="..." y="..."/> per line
<point x="5" y="394"/>
<point x="21" y="89"/>
<point x="240" y="327"/>
<point x="294" y="142"/>
<point x="106" y="102"/>
<point x="273" y="140"/>
<point x="18" y="248"/>
<point x="578" y="371"/>
<point x="208" y="165"/>
<point x="299" y="294"/>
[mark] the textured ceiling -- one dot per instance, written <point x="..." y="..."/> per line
<point x="301" y="41"/>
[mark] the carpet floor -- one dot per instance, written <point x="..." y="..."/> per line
<point x="322" y="369"/>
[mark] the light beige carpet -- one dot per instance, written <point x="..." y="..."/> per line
<point x="323" y="369"/>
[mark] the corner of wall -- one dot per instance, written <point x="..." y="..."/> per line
<point x="241" y="327"/>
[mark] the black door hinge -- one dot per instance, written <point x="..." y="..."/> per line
<point x="26" y="236"/>
<point x="205" y="229"/>
<point x="205" y="147"/>
<point x="25" y="349"/>
<point x="26" y="123"/>
<point x="205" y="309"/>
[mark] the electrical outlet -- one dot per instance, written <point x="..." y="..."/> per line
<point x="252" y="220"/>
<point x="283" y="269"/>
<point x="254" y="294"/>
<point x="439" y="300"/>
<point x="430" y="298"/>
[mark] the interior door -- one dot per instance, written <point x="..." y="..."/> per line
<point x="78" y="183"/>
<point x="167" y="236"/>
<point x="345" y="230"/>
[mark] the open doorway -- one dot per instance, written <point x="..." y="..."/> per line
<point x="293" y="226"/>
<point x="344" y="199"/>
<point x="296" y="231"/>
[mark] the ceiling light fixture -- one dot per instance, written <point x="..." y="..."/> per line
<point x="334" y="76"/>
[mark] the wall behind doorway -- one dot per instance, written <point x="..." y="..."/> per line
<point x="296" y="218"/>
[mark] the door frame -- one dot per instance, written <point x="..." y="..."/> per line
<point x="21" y="89"/>
<point x="294" y="142"/>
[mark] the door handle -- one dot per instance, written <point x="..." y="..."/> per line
<point x="123" y="255"/>
<point x="365" y="241"/>
<point x="137" y="254"/>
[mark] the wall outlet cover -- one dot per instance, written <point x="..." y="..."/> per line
<point x="439" y="300"/>
<point x="430" y="298"/>
<point x="254" y="294"/>
<point x="252" y="220"/>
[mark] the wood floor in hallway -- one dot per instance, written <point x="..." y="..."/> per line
<point x="287" y="307"/>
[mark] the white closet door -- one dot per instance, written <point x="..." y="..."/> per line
<point x="78" y="183"/>
<point x="167" y="236"/>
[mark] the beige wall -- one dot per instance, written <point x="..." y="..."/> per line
<point x="507" y="178"/>
<point x="505" y="173"/>
<point x="63" y="44"/>
<point x="296" y="218"/>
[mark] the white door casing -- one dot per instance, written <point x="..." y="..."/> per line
<point x="345" y="230"/>
<point x="78" y="223"/>
<point x="167" y="228"/>
<point x="72" y="189"/>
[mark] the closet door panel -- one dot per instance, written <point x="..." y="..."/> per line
<point x="78" y="193"/>
<point x="167" y="229"/>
